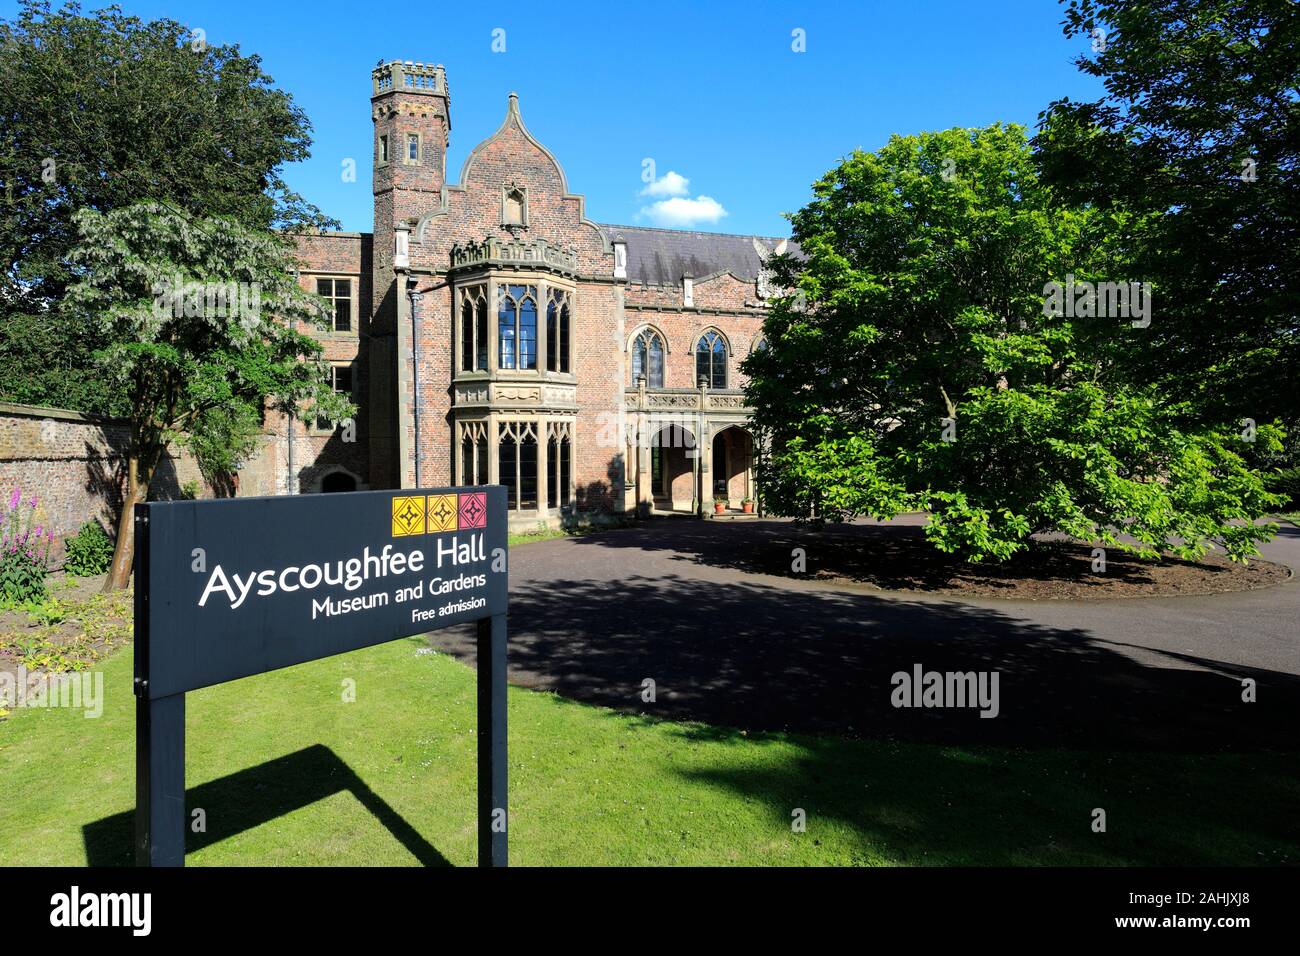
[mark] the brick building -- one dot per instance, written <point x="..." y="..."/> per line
<point x="490" y="332"/>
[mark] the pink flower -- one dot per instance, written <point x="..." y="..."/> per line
<point x="15" y="499"/>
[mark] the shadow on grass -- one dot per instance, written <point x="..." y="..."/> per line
<point x="915" y="804"/>
<point x="249" y="798"/>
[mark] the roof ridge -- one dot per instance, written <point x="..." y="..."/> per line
<point x="694" y="232"/>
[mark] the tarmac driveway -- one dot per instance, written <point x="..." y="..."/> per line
<point x="594" y="617"/>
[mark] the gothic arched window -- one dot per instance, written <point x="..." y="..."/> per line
<point x="517" y="327"/>
<point x="557" y="332"/>
<point x="711" y="360"/>
<point x="648" y="359"/>
<point x="560" y="464"/>
<point x="473" y="331"/>
<point x="517" y="463"/>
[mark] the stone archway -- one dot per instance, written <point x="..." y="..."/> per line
<point x="669" y="474"/>
<point x="731" y="467"/>
<point x="335" y="479"/>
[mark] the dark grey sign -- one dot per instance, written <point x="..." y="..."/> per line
<point x="245" y="585"/>
<point x="231" y="588"/>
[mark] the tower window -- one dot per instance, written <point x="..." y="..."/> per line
<point x="412" y="147"/>
<point x="383" y="148"/>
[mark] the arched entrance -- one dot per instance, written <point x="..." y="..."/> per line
<point x="337" y="481"/>
<point x="731" y="467"/>
<point x="670" y="472"/>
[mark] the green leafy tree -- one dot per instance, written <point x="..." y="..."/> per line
<point x="1199" y="127"/>
<point x="203" y="318"/>
<point x="225" y="443"/>
<point x="101" y="111"/>
<point x="919" y="363"/>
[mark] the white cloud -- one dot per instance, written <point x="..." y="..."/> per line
<point x="680" y="211"/>
<point x="669" y="184"/>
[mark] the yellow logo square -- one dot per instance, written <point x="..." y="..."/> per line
<point x="441" y="513"/>
<point x="408" y="516"/>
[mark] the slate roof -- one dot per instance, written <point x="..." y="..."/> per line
<point x="662" y="256"/>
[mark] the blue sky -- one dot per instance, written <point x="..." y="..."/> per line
<point x="712" y="92"/>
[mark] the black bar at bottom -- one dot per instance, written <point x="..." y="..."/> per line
<point x="160" y="781"/>
<point x="493" y="814"/>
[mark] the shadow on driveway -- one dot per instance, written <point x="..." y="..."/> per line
<point x="752" y="655"/>
<point x="1187" y="772"/>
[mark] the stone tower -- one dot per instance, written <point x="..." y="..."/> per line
<point x="410" y="107"/>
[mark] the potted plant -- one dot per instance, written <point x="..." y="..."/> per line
<point x="747" y="506"/>
<point x="719" y="505"/>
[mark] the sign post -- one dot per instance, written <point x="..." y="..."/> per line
<point x="235" y="587"/>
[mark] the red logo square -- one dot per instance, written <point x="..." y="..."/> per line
<point x="473" y="510"/>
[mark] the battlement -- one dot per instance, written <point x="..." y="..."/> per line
<point x="406" y="76"/>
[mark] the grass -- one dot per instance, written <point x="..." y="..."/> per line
<point x="545" y="534"/>
<point x="289" y="774"/>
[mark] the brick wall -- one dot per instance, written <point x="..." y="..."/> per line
<point x="75" y="465"/>
<point x="320" y="452"/>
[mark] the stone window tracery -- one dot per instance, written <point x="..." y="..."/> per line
<point x="473" y="453"/>
<point x="517" y="327"/>
<point x="473" y="329"/>
<point x="517" y="463"/>
<point x="559" y="464"/>
<point x="557" y="332"/>
<point x="711" y="360"/>
<point x="648" y="359"/>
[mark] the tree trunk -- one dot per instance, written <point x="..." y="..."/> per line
<point x="137" y="490"/>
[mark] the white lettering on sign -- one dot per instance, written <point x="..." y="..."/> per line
<point x="462" y="552"/>
<point x="351" y="573"/>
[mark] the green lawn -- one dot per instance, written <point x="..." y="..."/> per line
<point x="389" y="779"/>
<point x="516" y="538"/>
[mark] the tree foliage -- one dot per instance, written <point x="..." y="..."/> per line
<point x="100" y="111"/>
<point x="1199" y="130"/>
<point x="915" y="366"/>
<point x="202" y="318"/>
